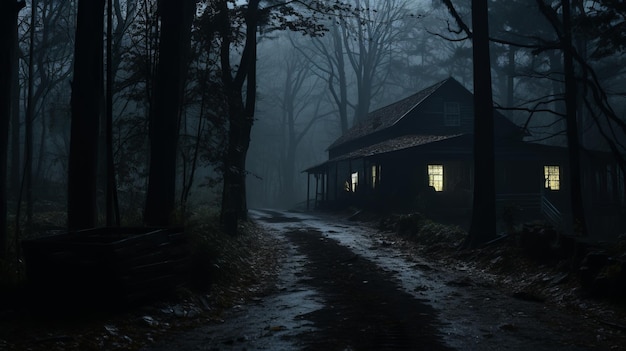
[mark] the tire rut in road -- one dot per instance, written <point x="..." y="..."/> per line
<point x="365" y="309"/>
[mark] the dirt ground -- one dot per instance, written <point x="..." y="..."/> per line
<point x="345" y="285"/>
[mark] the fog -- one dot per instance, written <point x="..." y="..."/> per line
<point x="312" y="84"/>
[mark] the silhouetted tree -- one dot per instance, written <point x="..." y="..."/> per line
<point x="572" y="131"/>
<point x="237" y="28"/>
<point x="175" y="40"/>
<point x="483" y="225"/>
<point x="8" y="24"/>
<point x="240" y="111"/>
<point x="563" y="29"/>
<point x="87" y="91"/>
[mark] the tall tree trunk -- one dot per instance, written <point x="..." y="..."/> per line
<point x="483" y="226"/>
<point x="112" y="206"/>
<point x="342" y="99"/>
<point x="241" y="118"/>
<point x="28" y="121"/>
<point x="14" y="176"/>
<point x="573" y="136"/>
<point x="85" y="104"/>
<point x="8" y="24"/>
<point x="174" y="47"/>
<point x="510" y="81"/>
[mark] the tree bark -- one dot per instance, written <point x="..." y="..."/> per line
<point x="241" y="119"/>
<point x="174" y="47"/>
<point x="86" y="101"/>
<point x="14" y="176"/>
<point x="483" y="225"/>
<point x="8" y="24"/>
<point x="572" y="131"/>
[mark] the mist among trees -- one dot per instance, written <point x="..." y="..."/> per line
<point x="141" y="112"/>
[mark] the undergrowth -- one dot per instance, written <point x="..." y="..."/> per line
<point x="233" y="268"/>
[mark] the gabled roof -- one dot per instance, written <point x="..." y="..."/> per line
<point x="387" y="116"/>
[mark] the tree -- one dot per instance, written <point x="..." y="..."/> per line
<point x="236" y="25"/>
<point x="8" y="23"/>
<point x="573" y="134"/>
<point x="483" y="225"/>
<point x="563" y="30"/>
<point x="240" y="112"/>
<point x="298" y="98"/>
<point x="87" y="90"/>
<point x="175" y="40"/>
<point x="48" y="65"/>
<point x="359" y="49"/>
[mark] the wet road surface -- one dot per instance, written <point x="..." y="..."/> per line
<point x="343" y="288"/>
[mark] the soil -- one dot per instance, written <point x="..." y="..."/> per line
<point x="346" y="285"/>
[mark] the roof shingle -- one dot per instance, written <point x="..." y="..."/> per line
<point x="387" y="116"/>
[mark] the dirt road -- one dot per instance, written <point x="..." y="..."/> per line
<point x="343" y="287"/>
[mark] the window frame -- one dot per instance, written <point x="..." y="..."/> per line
<point x="549" y="173"/>
<point x="436" y="176"/>
<point x="375" y="175"/>
<point x="354" y="181"/>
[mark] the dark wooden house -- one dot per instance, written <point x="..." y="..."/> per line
<point x="417" y="154"/>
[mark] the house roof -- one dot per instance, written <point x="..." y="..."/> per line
<point x="387" y="146"/>
<point x="387" y="116"/>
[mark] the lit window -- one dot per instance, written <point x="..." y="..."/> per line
<point x="451" y="114"/>
<point x="435" y="177"/>
<point x="374" y="174"/>
<point x="552" y="177"/>
<point x="355" y="181"/>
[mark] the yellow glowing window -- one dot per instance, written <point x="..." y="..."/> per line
<point x="435" y="177"/>
<point x="355" y="180"/>
<point x="552" y="177"/>
<point x="374" y="174"/>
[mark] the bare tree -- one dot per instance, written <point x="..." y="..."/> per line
<point x="299" y="102"/>
<point x="175" y="40"/>
<point x="359" y="48"/>
<point x="87" y="93"/>
<point x="8" y="23"/>
<point x="483" y="225"/>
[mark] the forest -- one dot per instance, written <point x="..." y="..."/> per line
<point x="144" y="112"/>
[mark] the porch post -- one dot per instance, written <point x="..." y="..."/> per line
<point x="308" y="189"/>
<point x="317" y="182"/>
<point x="337" y="179"/>
<point x="324" y="186"/>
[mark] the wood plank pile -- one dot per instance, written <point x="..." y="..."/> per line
<point x="107" y="265"/>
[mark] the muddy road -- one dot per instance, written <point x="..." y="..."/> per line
<point x="343" y="287"/>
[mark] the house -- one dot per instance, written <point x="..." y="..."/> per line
<point x="417" y="154"/>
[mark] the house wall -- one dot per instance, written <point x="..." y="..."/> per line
<point x="428" y="117"/>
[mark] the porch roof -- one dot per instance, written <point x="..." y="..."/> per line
<point x="387" y="146"/>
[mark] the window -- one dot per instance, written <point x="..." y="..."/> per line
<point x="435" y="177"/>
<point x="552" y="177"/>
<point x="374" y="176"/>
<point x="355" y="181"/>
<point x="451" y="114"/>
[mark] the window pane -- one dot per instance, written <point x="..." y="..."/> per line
<point x="552" y="177"/>
<point x="435" y="177"/>
<point x="355" y="180"/>
<point x="374" y="176"/>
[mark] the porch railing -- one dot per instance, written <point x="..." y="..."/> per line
<point x="529" y="203"/>
<point x="551" y="213"/>
<point x="533" y="205"/>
